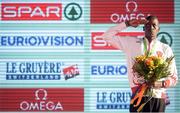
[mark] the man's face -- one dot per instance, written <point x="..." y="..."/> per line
<point x="151" y="28"/>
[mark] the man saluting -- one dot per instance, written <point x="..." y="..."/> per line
<point x="133" y="46"/>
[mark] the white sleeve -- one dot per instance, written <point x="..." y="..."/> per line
<point x="109" y="35"/>
<point x="172" y="79"/>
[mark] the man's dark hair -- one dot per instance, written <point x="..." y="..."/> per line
<point x="151" y="17"/>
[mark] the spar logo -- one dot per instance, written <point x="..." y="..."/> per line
<point x="73" y="11"/>
<point x="40" y="11"/>
<point x="98" y="43"/>
<point x="41" y="103"/>
<point x="165" y="37"/>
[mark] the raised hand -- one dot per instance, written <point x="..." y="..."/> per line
<point x="135" y="22"/>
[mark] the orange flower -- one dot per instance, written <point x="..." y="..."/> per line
<point x="149" y="62"/>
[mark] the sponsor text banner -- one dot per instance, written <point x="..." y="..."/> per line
<point x="115" y="11"/>
<point x="48" y="99"/>
<point x="31" y="11"/>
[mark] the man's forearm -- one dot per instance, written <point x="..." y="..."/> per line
<point x="114" y="30"/>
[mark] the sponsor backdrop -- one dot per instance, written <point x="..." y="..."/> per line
<point x="52" y="60"/>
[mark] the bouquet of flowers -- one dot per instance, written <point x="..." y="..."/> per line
<point x="151" y="69"/>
